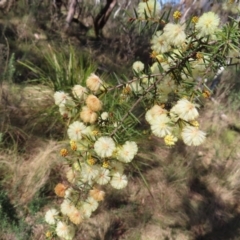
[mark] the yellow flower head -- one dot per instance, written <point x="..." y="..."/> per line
<point x="170" y="140"/>
<point x="64" y="152"/>
<point x="91" y="161"/>
<point x="195" y="123"/>
<point x="206" y="93"/>
<point x="195" y="19"/>
<point x="48" y="234"/>
<point x="199" y="55"/>
<point x="177" y="15"/>
<point x="95" y="132"/>
<point x="73" y="145"/>
<point x="126" y="90"/>
<point x="105" y="164"/>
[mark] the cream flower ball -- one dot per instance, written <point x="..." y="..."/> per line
<point x="86" y="210"/>
<point x="65" y="231"/>
<point x="76" y="130"/>
<point x="104" y="147"/>
<point x="185" y="110"/>
<point x="159" y="43"/>
<point x="193" y="136"/>
<point x="61" y="98"/>
<point x="104" y="116"/>
<point x="50" y="216"/>
<point x="89" y="172"/>
<point x="88" y="116"/>
<point x="119" y="180"/>
<point x="207" y="24"/>
<point x="103" y="177"/>
<point x="93" y="203"/>
<point x="160" y="126"/>
<point x="66" y="207"/>
<point x="93" y="103"/>
<point x="150" y="8"/>
<point x="138" y="66"/>
<point x="153" y="112"/>
<point x="79" y="92"/>
<point x="127" y="152"/>
<point x="175" y="33"/>
<point x="93" y="82"/>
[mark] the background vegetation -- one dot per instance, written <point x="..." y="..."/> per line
<point x="193" y="192"/>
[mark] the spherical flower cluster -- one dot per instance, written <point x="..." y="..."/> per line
<point x="154" y="112"/>
<point x="175" y="34"/>
<point x="159" y="43"/>
<point x="161" y="126"/>
<point x="207" y="24"/>
<point x="193" y="136"/>
<point x="127" y="152"/>
<point x="150" y="8"/>
<point x="51" y="215"/>
<point x="65" y="103"/>
<point x="94" y="82"/>
<point x="76" y="130"/>
<point x="185" y="110"/>
<point x="138" y="66"/>
<point x="104" y="147"/>
<point x="79" y="92"/>
<point x="119" y="180"/>
<point x="93" y="103"/>
<point x="65" y="231"/>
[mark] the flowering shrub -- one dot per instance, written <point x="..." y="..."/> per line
<point x="103" y="120"/>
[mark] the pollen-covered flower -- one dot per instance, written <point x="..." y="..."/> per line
<point x="79" y="92"/>
<point x="138" y="66"/>
<point x="119" y="180"/>
<point x="175" y="33"/>
<point x="127" y="152"/>
<point x="159" y="43"/>
<point x="50" y="216"/>
<point x="97" y="194"/>
<point x="160" y="126"/>
<point x="60" y="189"/>
<point x="207" y="24"/>
<point x="104" y="147"/>
<point x="153" y="112"/>
<point x="88" y="116"/>
<point x="76" y="130"/>
<point x="150" y="8"/>
<point x="185" y="110"/>
<point x="193" y="136"/>
<point x="65" y="231"/>
<point x="93" y="82"/>
<point x="94" y="103"/>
